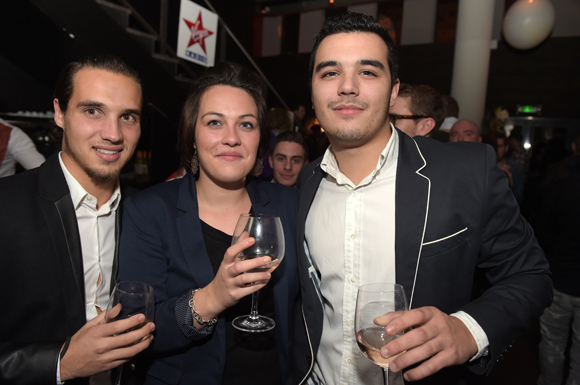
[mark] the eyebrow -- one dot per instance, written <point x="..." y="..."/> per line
<point x="222" y="115"/>
<point x="90" y="103"/>
<point x="324" y="64"/>
<point x="334" y="63"/>
<point x="373" y="63"/>
<point x="93" y="104"/>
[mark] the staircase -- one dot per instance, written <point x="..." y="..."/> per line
<point x="150" y="40"/>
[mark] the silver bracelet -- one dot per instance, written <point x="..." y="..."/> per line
<point x="196" y="315"/>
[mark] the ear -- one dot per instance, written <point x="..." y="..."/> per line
<point x="270" y="161"/>
<point x="425" y="126"/>
<point x="395" y="92"/>
<point x="479" y="138"/>
<point x="58" y="114"/>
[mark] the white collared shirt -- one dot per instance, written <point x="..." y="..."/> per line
<point x="97" y="233"/>
<point x="361" y="222"/>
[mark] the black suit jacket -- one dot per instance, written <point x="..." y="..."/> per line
<point x="454" y="212"/>
<point x="41" y="274"/>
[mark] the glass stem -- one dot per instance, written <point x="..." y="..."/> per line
<point x="119" y="374"/>
<point x="386" y="375"/>
<point x="254" y="312"/>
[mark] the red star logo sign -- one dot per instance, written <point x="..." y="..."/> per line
<point x="198" y="33"/>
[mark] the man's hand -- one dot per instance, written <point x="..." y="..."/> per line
<point x="100" y="346"/>
<point x="438" y="339"/>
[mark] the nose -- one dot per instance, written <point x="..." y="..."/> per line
<point x="112" y="131"/>
<point x="231" y="136"/>
<point x="288" y="164"/>
<point x="348" y="84"/>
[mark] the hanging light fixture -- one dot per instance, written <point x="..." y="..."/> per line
<point x="528" y="23"/>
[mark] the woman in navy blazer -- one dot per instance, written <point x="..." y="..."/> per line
<point x="176" y="237"/>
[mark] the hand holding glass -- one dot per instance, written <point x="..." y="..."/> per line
<point x="269" y="236"/>
<point x="129" y="299"/>
<point x="373" y="301"/>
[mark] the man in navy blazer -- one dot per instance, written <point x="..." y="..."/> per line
<point x="48" y="217"/>
<point x="380" y="206"/>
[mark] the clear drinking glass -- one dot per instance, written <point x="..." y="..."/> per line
<point x="269" y="235"/>
<point x="128" y="299"/>
<point x="373" y="301"/>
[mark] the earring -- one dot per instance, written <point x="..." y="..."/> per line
<point x="194" y="162"/>
<point x="258" y="168"/>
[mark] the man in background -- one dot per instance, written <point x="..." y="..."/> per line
<point x="16" y="147"/>
<point x="59" y="231"/>
<point x="418" y="110"/>
<point x="289" y="155"/>
<point x="558" y="230"/>
<point x="464" y="131"/>
<point x="451" y="109"/>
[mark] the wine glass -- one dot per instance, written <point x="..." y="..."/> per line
<point x="267" y="231"/>
<point x="128" y="299"/>
<point x="373" y="301"/>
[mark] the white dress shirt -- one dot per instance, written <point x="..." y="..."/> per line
<point x="361" y="221"/>
<point x="20" y="150"/>
<point x="97" y="233"/>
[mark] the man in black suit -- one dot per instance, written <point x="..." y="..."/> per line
<point x="380" y="206"/>
<point x="59" y="230"/>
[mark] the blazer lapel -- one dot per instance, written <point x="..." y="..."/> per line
<point x="411" y="209"/>
<point x="308" y="189"/>
<point x="61" y="220"/>
<point x="189" y="229"/>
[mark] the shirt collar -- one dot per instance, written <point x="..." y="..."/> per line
<point x="79" y="194"/>
<point x="386" y="160"/>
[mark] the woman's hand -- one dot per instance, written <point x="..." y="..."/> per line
<point x="232" y="282"/>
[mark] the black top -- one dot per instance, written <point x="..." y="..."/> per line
<point x="251" y="358"/>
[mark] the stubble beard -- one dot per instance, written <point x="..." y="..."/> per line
<point x="347" y="132"/>
<point x="108" y="174"/>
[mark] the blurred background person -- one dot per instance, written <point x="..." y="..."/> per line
<point x="289" y="155"/>
<point x="464" y="131"/>
<point x="418" y="110"/>
<point x="513" y="170"/>
<point x="16" y="147"/>
<point x="177" y="236"/>
<point x="451" y="114"/>
<point x="278" y="121"/>
<point x="558" y="231"/>
<point x="299" y="114"/>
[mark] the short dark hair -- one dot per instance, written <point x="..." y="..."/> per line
<point x="356" y="22"/>
<point x="450" y="106"/>
<point x="293" y="137"/>
<point x="66" y="80"/>
<point x="223" y="74"/>
<point x="424" y="100"/>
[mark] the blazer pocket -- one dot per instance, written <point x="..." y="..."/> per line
<point x="444" y="244"/>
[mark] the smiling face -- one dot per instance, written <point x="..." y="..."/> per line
<point x="101" y="126"/>
<point x="286" y="161"/>
<point x="227" y="135"/>
<point x="351" y="88"/>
